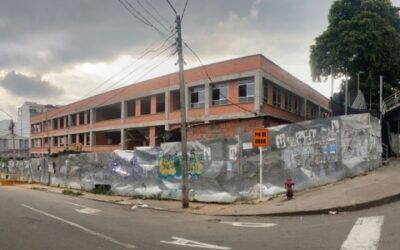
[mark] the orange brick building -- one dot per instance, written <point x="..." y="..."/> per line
<point x="243" y="94"/>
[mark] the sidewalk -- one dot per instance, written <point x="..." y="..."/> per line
<point x="374" y="188"/>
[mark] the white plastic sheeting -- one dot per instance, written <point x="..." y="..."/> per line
<point x="312" y="153"/>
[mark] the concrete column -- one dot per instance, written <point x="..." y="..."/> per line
<point x="84" y="139"/>
<point x="153" y="104"/>
<point x="65" y="122"/>
<point x="77" y="119"/>
<point x="292" y="108"/>
<point x="319" y="112"/>
<point x="91" y="140"/>
<point x="167" y="108"/>
<point x="91" y="122"/>
<point x="137" y="107"/>
<point x="59" y="123"/>
<point x="123" y="112"/>
<point x="123" y="139"/>
<point x="258" y="92"/>
<point x="69" y="139"/>
<point x="85" y="118"/>
<point x="207" y="101"/>
<point x="77" y="139"/>
<point x="152" y="136"/>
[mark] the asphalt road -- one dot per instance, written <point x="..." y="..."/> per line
<point x="32" y="219"/>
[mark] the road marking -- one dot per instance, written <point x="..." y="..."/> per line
<point x="191" y="243"/>
<point x="365" y="234"/>
<point x="89" y="231"/>
<point x="75" y="204"/>
<point x="85" y="209"/>
<point x="248" y="224"/>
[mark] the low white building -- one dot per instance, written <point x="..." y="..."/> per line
<point x="7" y="143"/>
<point x="25" y="112"/>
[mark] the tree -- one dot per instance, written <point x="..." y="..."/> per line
<point x="362" y="35"/>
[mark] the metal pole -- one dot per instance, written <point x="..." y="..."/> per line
<point x="345" y="94"/>
<point x="261" y="171"/>
<point x="185" y="180"/>
<point x="380" y="96"/>
<point x="331" y="84"/>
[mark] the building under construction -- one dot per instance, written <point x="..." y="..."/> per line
<point x="222" y="100"/>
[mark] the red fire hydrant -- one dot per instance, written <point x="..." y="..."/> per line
<point x="289" y="188"/>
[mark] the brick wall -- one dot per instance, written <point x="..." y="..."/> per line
<point x="229" y="128"/>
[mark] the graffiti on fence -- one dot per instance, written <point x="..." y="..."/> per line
<point x="171" y="165"/>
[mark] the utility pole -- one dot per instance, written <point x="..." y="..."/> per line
<point x="185" y="179"/>
<point x="12" y="125"/>
<point x="380" y="97"/>
<point x="345" y="94"/>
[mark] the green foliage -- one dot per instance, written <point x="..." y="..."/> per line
<point x="71" y="192"/>
<point x="102" y="189"/>
<point x="362" y="35"/>
<point x="4" y="159"/>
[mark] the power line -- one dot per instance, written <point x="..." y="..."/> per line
<point x="156" y="11"/>
<point x="155" y="19"/>
<point x="118" y="82"/>
<point x="184" y="9"/>
<point x="135" y="13"/>
<point x="143" y="54"/>
<point x="211" y="81"/>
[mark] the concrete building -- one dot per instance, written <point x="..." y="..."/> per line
<point x="5" y="127"/>
<point x="242" y="94"/>
<point x="25" y="112"/>
<point x="7" y="146"/>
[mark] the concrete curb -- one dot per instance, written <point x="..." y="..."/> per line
<point x="349" y="208"/>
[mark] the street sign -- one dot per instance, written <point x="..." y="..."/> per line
<point x="261" y="137"/>
<point x="261" y="140"/>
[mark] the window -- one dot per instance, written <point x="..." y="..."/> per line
<point x="299" y="105"/>
<point x="160" y="103"/>
<point x="265" y="87"/>
<point x="145" y="105"/>
<point x="246" y="90"/>
<point x="277" y="96"/>
<point x="288" y="101"/>
<point x="219" y="94"/>
<point x="197" y="97"/>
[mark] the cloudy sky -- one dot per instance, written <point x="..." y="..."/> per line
<point x="57" y="52"/>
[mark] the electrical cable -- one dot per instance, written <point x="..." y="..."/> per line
<point x="212" y="82"/>
<point x="155" y="19"/>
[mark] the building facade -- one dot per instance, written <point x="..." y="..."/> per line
<point x="222" y="99"/>
<point x="25" y="112"/>
<point x="7" y="144"/>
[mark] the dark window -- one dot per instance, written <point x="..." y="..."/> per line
<point x="145" y="105"/>
<point x="220" y="94"/>
<point x="197" y="97"/>
<point x="265" y="88"/>
<point x="130" y="108"/>
<point x="160" y="100"/>
<point x="277" y="96"/>
<point x="288" y="101"/>
<point x="299" y="105"/>
<point x="246" y="90"/>
<point x="175" y="100"/>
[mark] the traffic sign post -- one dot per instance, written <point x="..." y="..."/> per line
<point x="261" y="140"/>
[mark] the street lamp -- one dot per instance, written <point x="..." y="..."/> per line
<point x="358" y="80"/>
